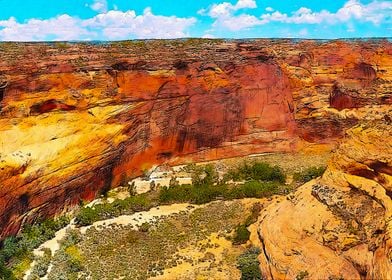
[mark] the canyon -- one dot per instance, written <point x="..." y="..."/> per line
<point x="77" y="119"/>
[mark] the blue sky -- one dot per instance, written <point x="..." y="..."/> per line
<point x="42" y="20"/>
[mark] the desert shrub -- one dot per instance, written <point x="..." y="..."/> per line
<point x="204" y="175"/>
<point x="132" y="189"/>
<point x="17" y="251"/>
<point x="89" y="215"/>
<point x="309" y="174"/>
<point x="86" y="216"/>
<point x="182" y="193"/>
<point x="254" y="189"/>
<point x="260" y="171"/>
<point x="144" y="227"/>
<point x="42" y="264"/>
<point x="248" y="264"/>
<point x="241" y="235"/>
<point x="302" y="275"/>
<point x="5" y="272"/>
<point x="173" y="182"/>
<point x="71" y="238"/>
<point x="254" y="215"/>
<point x="197" y="194"/>
<point x="132" y="237"/>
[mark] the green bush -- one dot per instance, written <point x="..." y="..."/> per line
<point x="89" y="215"/>
<point x="144" y="227"/>
<point x="197" y="194"/>
<point x="204" y="175"/>
<point x="254" y="189"/>
<point x="15" y="250"/>
<point x="241" y="235"/>
<point x="86" y="216"/>
<point x="248" y="264"/>
<point x="302" y="275"/>
<point x="42" y="264"/>
<point x="259" y="171"/>
<point x="5" y="273"/>
<point x="308" y="174"/>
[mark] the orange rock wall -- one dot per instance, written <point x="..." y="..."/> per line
<point x="79" y="118"/>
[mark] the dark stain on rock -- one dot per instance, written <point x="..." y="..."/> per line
<point x="50" y="105"/>
<point x="264" y="58"/>
<point x="181" y="65"/>
<point x="340" y="100"/>
<point x="3" y="85"/>
<point x="381" y="167"/>
<point x="24" y="202"/>
<point x="164" y="155"/>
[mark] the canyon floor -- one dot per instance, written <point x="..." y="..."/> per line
<point x="172" y="241"/>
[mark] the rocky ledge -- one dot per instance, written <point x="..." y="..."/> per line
<point x="339" y="226"/>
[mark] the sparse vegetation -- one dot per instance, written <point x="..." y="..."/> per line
<point x="302" y="275"/>
<point x="121" y="251"/>
<point x="16" y="252"/>
<point x="241" y="235"/>
<point x="248" y="264"/>
<point x="206" y="187"/>
<point x="309" y="174"/>
<point x="250" y="180"/>
<point x="259" y="171"/>
<point x="89" y="215"/>
<point x="41" y="266"/>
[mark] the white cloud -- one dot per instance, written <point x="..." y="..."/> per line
<point x="226" y="14"/>
<point x="243" y="4"/>
<point x="100" y="6"/>
<point x="236" y="23"/>
<point x="63" y="27"/>
<point x="375" y="12"/>
<point x="208" y="36"/>
<point x="111" y="25"/>
<point x="226" y="8"/>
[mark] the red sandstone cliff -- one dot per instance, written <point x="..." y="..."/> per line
<point x="78" y="118"/>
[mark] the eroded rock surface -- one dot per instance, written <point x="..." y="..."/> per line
<point x="338" y="226"/>
<point x="76" y="119"/>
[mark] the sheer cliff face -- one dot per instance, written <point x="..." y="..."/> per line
<point x="339" y="226"/>
<point x="76" y="119"/>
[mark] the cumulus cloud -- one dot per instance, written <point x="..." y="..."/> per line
<point x="226" y="9"/>
<point x="63" y="27"/>
<point x="374" y="12"/>
<point x="224" y="15"/>
<point x="100" y="6"/>
<point x="111" y="25"/>
<point x="118" y="25"/>
<point x="227" y="15"/>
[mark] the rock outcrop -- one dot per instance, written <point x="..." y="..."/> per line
<point x="76" y="119"/>
<point x="338" y="226"/>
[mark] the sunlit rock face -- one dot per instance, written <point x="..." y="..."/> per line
<point x="77" y="119"/>
<point x="339" y="226"/>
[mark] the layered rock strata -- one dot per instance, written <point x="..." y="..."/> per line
<point x="77" y="119"/>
